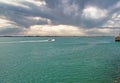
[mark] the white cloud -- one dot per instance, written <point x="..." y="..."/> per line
<point x="58" y="30"/>
<point x="37" y="2"/>
<point x="14" y="2"/>
<point x="19" y="2"/>
<point x="94" y="13"/>
<point x="114" y="21"/>
<point x="37" y="19"/>
<point x="106" y="30"/>
<point x="4" y="22"/>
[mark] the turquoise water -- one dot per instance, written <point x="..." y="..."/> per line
<point x="66" y="60"/>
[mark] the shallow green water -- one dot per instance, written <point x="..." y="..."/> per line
<point x="67" y="60"/>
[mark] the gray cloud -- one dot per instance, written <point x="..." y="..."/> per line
<point x="70" y="18"/>
<point x="66" y="12"/>
<point x="59" y="11"/>
<point x="19" y="14"/>
<point x="11" y="31"/>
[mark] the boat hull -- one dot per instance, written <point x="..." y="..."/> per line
<point x="117" y="39"/>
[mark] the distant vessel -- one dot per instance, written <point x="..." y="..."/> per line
<point x="117" y="38"/>
<point x="51" y="39"/>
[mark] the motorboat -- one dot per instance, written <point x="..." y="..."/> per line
<point x="51" y="39"/>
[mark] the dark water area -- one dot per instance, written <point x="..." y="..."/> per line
<point x="65" y="60"/>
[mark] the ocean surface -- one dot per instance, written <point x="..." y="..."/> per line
<point x="65" y="60"/>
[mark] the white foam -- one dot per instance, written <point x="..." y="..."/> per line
<point x="29" y="41"/>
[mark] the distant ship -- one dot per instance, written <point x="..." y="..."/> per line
<point x="51" y="39"/>
<point x="117" y="38"/>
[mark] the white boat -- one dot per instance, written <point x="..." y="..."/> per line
<point x="51" y="39"/>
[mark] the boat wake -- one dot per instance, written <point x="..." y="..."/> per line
<point x="29" y="41"/>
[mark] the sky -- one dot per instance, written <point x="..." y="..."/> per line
<point x="59" y="17"/>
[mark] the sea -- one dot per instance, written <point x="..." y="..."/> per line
<point x="65" y="60"/>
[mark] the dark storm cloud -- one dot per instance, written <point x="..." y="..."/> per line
<point x="10" y="31"/>
<point x="63" y="18"/>
<point x="67" y="12"/>
<point x="19" y="14"/>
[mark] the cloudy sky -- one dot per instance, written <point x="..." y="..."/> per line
<point x="60" y="17"/>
